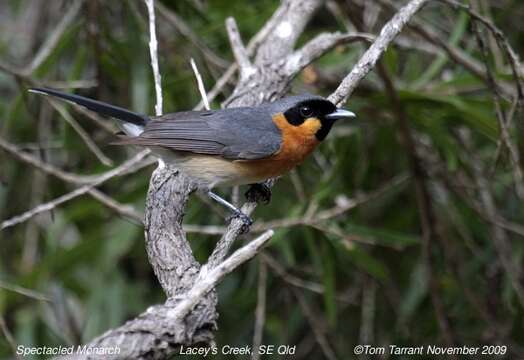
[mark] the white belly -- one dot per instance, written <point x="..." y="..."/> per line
<point x="206" y="171"/>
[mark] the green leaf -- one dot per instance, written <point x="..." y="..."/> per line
<point x="476" y="114"/>
<point x="383" y="237"/>
<point x="391" y="60"/>
<point x="415" y="293"/>
<point x="436" y="66"/>
<point x="361" y="258"/>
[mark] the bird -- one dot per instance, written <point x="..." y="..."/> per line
<point x="232" y="146"/>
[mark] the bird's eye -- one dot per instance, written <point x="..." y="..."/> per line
<point x="306" y="111"/>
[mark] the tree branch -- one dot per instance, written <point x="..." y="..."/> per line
<point x="239" y="51"/>
<point x="161" y="330"/>
<point x="318" y="46"/>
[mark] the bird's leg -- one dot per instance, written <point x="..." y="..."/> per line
<point x="258" y="192"/>
<point x="236" y="211"/>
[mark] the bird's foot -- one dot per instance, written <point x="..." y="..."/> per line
<point x="258" y="193"/>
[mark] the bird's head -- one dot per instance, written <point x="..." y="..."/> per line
<point x="310" y="111"/>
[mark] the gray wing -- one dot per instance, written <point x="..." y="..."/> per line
<point x="238" y="133"/>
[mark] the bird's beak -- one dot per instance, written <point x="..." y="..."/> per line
<point x="340" y="114"/>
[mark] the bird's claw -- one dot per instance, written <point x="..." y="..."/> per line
<point x="246" y="221"/>
<point x="258" y="193"/>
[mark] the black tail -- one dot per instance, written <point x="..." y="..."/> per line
<point x="97" y="106"/>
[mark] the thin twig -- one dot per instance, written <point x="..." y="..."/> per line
<point x="501" y="116"/>
<point x="458" y="55"/>
<point x="498" y="235"/>
<point x="52" y="41"/>
<point x="458" y="189"/>
<point x="317" y="328"/>
<point x="82" y="133"/>
<point x="200" y="84"/>
<point x="124" y="210"/>
<point x="121" y="209"/>
<point x="184" y="29"/>
<point x="278" y="269"/>
<point x="97" y="119"/>
<point x="47" y="168"/>
<point x="153" y="52"/>
<point x="73" y="194"/>
<point x="502" y="41"/>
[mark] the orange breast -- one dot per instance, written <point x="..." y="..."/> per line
<point x="297" y="143"/>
